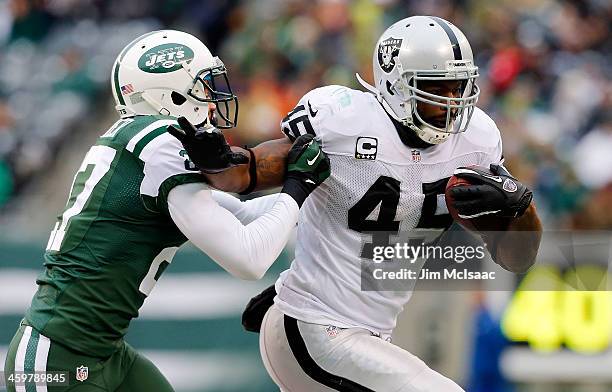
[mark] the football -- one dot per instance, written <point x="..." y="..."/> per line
<point x="481" y="223"/>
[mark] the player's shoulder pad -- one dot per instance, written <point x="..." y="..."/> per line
<point x="334" y="114"/>
<point x="164" y="158"/>
<point x="142" y="134"/>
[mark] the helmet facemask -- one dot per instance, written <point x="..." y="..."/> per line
<point x="458" y="110"/>
<point x="211" y="85"/>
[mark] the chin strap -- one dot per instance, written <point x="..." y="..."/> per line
<point x="155" y="105"/>
<point x="369" y="87"/>
<point x="426" y="134"/>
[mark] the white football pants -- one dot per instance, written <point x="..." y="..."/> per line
<point x="304" y="357"/>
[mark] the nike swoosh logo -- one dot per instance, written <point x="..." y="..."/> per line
<point x="312" y="112"/>
<point x="310" y="162"/>
<point x="494" y="178"/>
<point x="469" y="171"/>
<point x="310" y="181"/>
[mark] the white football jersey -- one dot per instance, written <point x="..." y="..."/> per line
<point x="377" y="183"/>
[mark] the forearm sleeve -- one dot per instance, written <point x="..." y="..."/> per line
<point x="245" y="251"/>
<point x="245" y="211"/>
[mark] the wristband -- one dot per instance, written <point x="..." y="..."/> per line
<point x="252" y="173"/>
<point x="297" y="189"/>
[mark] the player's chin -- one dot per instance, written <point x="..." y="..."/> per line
<point x="213" y="119"/>
<point x="440" y="123"/>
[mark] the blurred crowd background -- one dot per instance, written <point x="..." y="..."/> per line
<point x="544" y="67"/>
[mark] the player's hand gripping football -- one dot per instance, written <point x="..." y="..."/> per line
<point x="499" y="194"/>
<point x="307" y="167"/>
<point x="206" y="147"/>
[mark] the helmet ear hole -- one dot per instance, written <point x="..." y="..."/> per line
<point x="177" y="98"/>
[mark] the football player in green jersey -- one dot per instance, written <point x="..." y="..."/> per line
<point x="135" y="199"/>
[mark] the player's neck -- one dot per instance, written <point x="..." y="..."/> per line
<point x="408" y="137"/>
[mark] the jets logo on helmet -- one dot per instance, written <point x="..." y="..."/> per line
<point x="165" y="58"/>
<point x="174" y="74"/>
<point x="387" y="52"/>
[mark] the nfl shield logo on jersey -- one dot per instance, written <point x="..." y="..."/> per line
<point x="82" y="372"/>
<point x="332" y="331"/>
<point x="416" y="156"/>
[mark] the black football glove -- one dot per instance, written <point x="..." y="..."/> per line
<point x="256" y="309"/>
<point x="497" y="194"/>
<point x="307" y="167"/>
<point x="206" y="147"/>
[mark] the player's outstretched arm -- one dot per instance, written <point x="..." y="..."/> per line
<point x="233" y="169"/>
<point x="265" y="168"/>
<point x="247" y="251"/>
<point x="248" y="210"/>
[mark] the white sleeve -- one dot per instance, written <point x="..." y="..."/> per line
<point x="244" y="251"/>
<point x="245" y="211"/>
<point x="498" y="155"/>
<point x="489" y="132"/>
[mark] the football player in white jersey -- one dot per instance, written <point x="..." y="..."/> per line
<point x="392" y="150"/>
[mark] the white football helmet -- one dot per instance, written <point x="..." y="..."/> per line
<point x="424" y="48"/>
<point x="172" y="73"/>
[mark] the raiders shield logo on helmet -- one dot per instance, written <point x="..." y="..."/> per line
<point x="387" y="52"/>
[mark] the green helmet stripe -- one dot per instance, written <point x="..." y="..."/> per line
<point x="119" y="58"/>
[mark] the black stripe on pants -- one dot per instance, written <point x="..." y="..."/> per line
<point x="310" y="367"/>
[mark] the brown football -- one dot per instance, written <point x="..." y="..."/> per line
<point x="481" y="223"/>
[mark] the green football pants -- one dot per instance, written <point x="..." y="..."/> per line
<point x="41" y="362"/>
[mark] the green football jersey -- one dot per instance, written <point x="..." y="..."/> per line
<point x="115" y="237"/>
